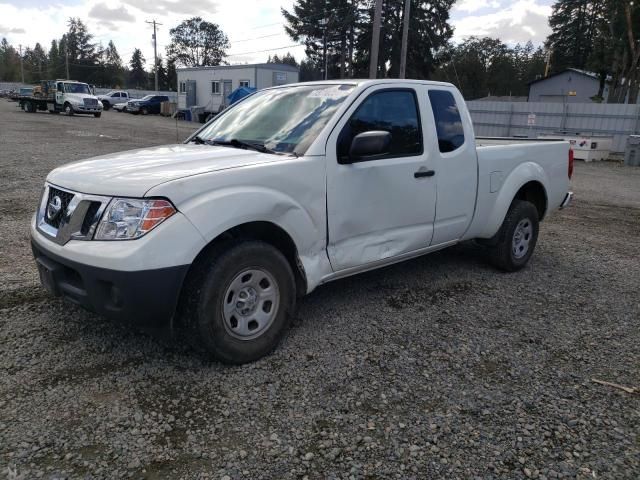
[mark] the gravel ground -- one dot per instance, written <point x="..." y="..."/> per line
<point x="441" y="367"/>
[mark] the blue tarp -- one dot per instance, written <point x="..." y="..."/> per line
<point x="240" y="93"/>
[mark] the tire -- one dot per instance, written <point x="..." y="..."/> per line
<point x="144" y="111"/>
<point x="29" y="107"/>
<point x="97" y="115"/>
<point x="516" y="240"/>
<point x="239" y="301"/>
<point x="68" y="108"/>
<point x="106" y="105"/>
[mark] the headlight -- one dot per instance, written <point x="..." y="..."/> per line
<point x="129" y="218"/>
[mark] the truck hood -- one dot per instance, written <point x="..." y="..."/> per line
<point x="134" y="172"/>
<point x="78" y="97"/>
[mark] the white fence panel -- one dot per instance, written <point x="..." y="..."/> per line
<point x="506" y="119"/>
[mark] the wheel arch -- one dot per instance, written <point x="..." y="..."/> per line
<point x="534" y="192"/>
<point x="264" y="231"/>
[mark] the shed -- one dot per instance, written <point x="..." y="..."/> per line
<point x="209" y="87"/>
<point x="569" y="86"/>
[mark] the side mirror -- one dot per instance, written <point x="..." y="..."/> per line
<point x="369" y="144"/>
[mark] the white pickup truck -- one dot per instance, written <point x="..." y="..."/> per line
<point x="113" y="98"/>
<point x="290" y="188"/>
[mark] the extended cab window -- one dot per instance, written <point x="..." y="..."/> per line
<point x="394" y="111"/>
<point x="447" y="118"/>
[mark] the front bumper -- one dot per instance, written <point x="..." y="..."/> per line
<point x="567" y="200"/>
<point x="147" y="298"/>
<point x="133" y="108"/>
<point x="84" y="109"/>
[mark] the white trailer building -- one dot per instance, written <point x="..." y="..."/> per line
<point x="208" y="87"/>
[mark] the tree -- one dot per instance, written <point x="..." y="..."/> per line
<point x="486" y="66"/>
<point x="137" y="75"/>
<point x="574" y="28"/>
<point x="172" y="75"/>
<point x="287" y="59"/>
<point x="56" y="61"/>
<point x="196" y="42"/>
<point x="113" y="65"/>
<point x="599" y="35"/>
<point x="347" y="26"/>
<point x="35" y="63"/>
<point x="9" y="62"/>
<point x="82" y="53"/>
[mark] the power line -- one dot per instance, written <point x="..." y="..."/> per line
<point x="267" y="50"/>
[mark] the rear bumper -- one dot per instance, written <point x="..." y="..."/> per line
<point x="567" y="200"/>
<point x="147" y="298"/>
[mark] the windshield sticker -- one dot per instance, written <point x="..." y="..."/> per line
<point x="333" y="92"/>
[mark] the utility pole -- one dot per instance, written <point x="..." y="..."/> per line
<point x="324" y="22"/>
<point x="375" y="41"/>
<point x="405" y="38"/>
<point x="21" y="64"/>
<point x="155" y="50"/>
<point x="66" y="58"/>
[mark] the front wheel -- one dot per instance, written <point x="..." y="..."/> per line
<point x="106" y="106"/>
<point x="145" y="111"/>
<point x="517" y="237"/>
<point x="97" y="115"/>
<point x="68" y="109"/>
<point x="240" y="301"/>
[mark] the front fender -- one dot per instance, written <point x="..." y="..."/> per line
<point x="216" y="212"/>
<point x="519" y="176"/>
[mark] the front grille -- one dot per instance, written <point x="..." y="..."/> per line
<point x="65" y="199"/>
<point x="90" y="102"/>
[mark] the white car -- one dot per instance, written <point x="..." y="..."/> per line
<point x="120" y="107"/>
<point x="288" y="189"/>
<point x="112" y="98"/>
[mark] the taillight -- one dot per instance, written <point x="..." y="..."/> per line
<point x="570" y="162"/>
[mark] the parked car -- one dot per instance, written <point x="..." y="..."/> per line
<point x="147" y="105"/>
<point x="287" y="189"/>
<point x="112" y="98"/>
<point x="120" y="107"/>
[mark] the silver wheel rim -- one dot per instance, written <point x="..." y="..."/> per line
<point x="250" y="304"/>
<point x="68" y="109"/>
<point x="522" y="236"/>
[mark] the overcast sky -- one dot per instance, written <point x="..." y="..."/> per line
<point x="255" y="27"/>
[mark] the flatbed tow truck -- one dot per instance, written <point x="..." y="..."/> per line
<point x="57" y="96"/>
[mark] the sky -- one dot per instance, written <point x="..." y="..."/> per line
<point x="254" y="27"/>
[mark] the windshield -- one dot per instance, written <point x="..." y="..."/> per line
<point x="77" y="88"/>
<point x="284" y="120"/>
<point x="143" y="99"/>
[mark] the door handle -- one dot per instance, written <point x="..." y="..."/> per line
<point x="424" y="173"/>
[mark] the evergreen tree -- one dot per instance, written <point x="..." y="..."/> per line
<point x="9" y="62"/>
<point x="82" y="53"/>
<point x="172" y="75"/>
<point x="113" y="65"/>
<point x="574" y="29"/>
<point x="137" y="75"/>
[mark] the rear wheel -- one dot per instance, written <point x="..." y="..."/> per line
<point x="516" y="240"/>
<point x="29" y="107"/>
<point x="240" y="301"/>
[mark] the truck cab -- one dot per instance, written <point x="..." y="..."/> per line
<point x="76" y="97"/>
